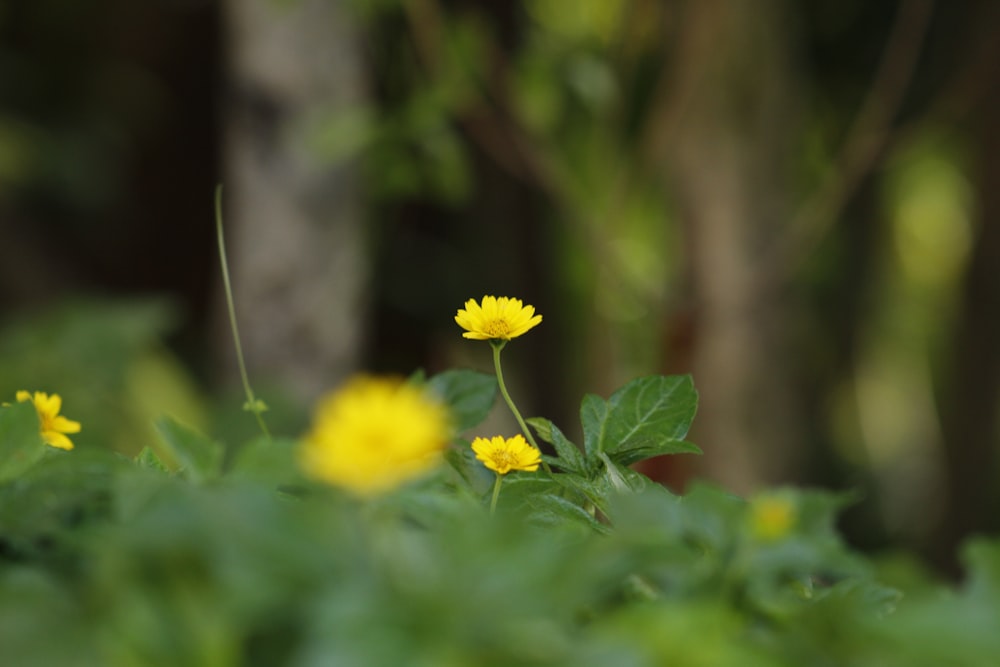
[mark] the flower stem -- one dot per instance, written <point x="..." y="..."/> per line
<point x="496" y="494"/>
<point x="252" y="404"/>
<point x="498" y="345"/>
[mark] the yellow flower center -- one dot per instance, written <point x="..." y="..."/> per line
<point x="497" y="328"/>
<point x="47" y="420"/>
<point x="772" y="518"/>
<point x="504" y="459"/>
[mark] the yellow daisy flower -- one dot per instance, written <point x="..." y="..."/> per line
<point x="500" y="318"/>
<point x="374" y="434"/>
<point x="54" y="426"/>
<point x="502" y="455"/>
<point x="772" y="517"/>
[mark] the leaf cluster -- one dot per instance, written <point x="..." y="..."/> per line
<point x="197" y="555"/>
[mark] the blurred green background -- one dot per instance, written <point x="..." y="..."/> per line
<point x="797" y="202"/>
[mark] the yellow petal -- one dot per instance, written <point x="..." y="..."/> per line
<point x="64" y="425"/>
<point x="57" y="440"/>
<point x="49" y="405"/>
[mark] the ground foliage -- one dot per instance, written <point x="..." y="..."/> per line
<point x="229" y="556"/>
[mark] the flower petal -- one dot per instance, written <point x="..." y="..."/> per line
<point x="48" y="405"/>
<point x="64" y="425"/>
<point x="496" y="318"/>
<point x="57" y="440"/>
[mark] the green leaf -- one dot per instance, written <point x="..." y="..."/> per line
<point x="647" y="417"/>
<point x="468" y="394"/>
<point x="542" y="426"/>
<point x="540" y="499"/>
<point x="198" y="456"/>
<point x="548" y="508"/>
<point x="469" y="469"/>
<point x="981" y="558"/>
<point x="629" y="455"/>
<point x="620" y="478"/>
<point x="147" y="458"/>
<point x="21" y="444"/>
<point x="594" y="491"/>
<point x="570" y="458"/>
<point x="593" y="415"/>
<point x="267" y="460"/>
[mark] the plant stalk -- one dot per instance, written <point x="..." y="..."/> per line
<point x="496" y="494"/>
<point x="498" y="345"/>
<point x="255" y="406"/>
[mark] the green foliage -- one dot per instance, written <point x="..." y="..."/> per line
<point x="469" y="394"/>
<point x="20" y="440"/>
<point x="647" y="417"/>
<point x="183" y="556"/>
<point x="197" y="456"/>
<point x="107" y="361"/>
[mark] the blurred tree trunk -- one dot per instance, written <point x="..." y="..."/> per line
<point x="969" y="415"/>
<point x="295" y="219"/>
<point x="732" y="130"/>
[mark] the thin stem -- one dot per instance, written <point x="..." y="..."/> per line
<point x="255" y="406"/>
<point x="497" y="346"/>
<point x="496" y="494"/>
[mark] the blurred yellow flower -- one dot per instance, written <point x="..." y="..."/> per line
<point x="54" y="426"/>
<point x="771" y="517"/>
<point x="502" y="455"/>
<point x="374" y="434"/>
<point x="496" y="319"/>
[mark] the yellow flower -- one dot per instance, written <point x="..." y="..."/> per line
<point x="53" y="425"/>
<point x="496" y="319"/>
<point x="771" y="517"/>
<point x="374" y="434"/>
<point x="502" y="456"/>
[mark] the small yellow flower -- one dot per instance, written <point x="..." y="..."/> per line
<point x="374" y="434"/>
<point x="502" y="456"/>
<point x="496" y="319"/>
<point x="771" y="517"/>
<point x="53" y="425"/>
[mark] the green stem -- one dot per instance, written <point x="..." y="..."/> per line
<point x="496" y="494"/>
<point x="498" y="345"/>
<point x="253" y="404"/>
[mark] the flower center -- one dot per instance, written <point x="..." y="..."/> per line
<point x="47" y="422"/>
<point x="498" y="328"/>
<point x="504" y="459"/>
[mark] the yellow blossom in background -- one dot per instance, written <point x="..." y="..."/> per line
<point x="54" y="426"/>
<point x="503" y="455"/>
<point x="771" y="517"/>
<point x="374" y="434"/>
<point x="500" y="318"/>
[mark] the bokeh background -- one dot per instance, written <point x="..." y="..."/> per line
<point x="797" y="202"/>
